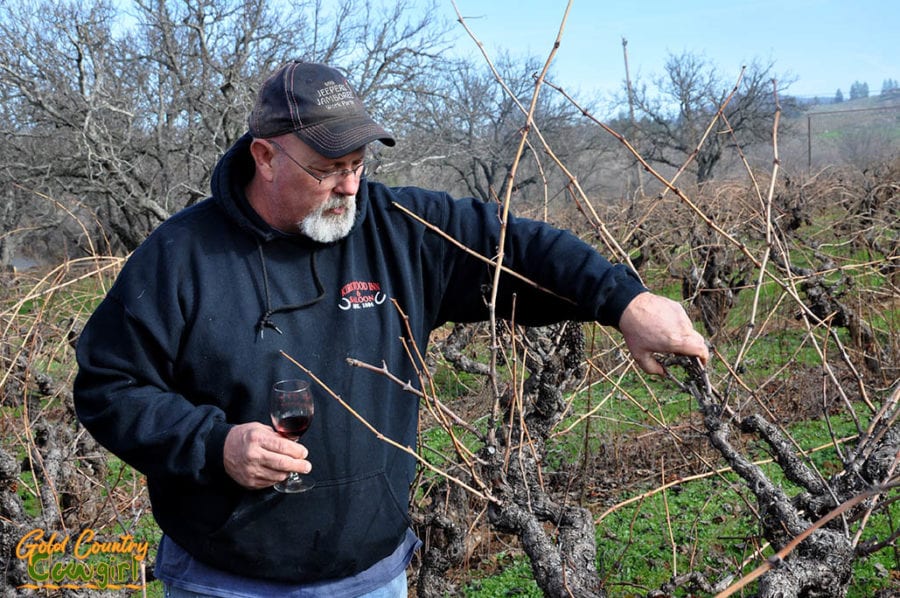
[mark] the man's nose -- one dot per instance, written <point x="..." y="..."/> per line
<point x="348" y="184"/>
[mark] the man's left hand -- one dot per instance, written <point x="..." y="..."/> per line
<point x="655" y="324"/>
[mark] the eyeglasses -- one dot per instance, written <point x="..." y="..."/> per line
<point x="323" y="175"/>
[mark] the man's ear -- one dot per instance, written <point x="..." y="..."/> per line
<point x="263" y="153"/>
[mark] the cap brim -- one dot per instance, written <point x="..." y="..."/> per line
<point x="343" y="136"/>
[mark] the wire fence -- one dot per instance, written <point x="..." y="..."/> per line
<point x="853" y="136"/>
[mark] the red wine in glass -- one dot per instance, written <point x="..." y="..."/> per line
<point x="292" y="425"/>
<point x="291" y="407"/>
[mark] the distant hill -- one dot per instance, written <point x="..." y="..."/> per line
<point x="820" y="105"/>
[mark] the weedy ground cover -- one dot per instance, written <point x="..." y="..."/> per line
<point x="630" y="449"/>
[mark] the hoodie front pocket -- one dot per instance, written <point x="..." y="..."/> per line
<point x="336" y="529"/>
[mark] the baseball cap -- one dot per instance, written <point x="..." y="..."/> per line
<point x="315" y="102"/>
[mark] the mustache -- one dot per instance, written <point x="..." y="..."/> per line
<point x="338" y="201"/>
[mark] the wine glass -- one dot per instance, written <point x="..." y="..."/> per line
<point x="291" y="407"/>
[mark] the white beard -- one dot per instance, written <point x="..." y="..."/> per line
<point x="326" y="228"/>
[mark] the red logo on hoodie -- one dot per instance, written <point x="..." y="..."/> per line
<point x="361" y="295"/>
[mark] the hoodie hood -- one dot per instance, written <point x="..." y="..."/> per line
<point x="230" y="178"/>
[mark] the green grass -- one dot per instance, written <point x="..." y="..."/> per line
<point x="697" y="526"/>
<point x="27" y="493"/>
<point x="708" y="521"/>
<point x="833" y="135"/>
<point x="702" y="525"/>
<point x="514" y="580"/>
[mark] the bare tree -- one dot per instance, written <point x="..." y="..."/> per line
<point x="128" y="116"/>
<point x="465" y="129"/>
<point x="674" y="122"/>
<point x="396" y="50"/>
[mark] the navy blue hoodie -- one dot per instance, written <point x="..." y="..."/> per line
<point x="185" y="346"/>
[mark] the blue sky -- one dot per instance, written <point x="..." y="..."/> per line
<point x="823" y="44"/>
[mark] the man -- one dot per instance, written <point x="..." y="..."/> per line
<point x="297" y="252"/>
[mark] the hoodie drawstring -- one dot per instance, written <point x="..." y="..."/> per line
<point x="265" y="320"/>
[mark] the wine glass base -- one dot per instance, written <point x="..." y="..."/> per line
<point x="293" y="485"/>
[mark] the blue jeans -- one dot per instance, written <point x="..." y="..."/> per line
<point x="396" y="588"/>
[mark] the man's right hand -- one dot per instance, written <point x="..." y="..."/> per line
<point x="256" y="456"/>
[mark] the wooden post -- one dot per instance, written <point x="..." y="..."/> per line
<point x="637" y="167"/>
<point x="808" y="144"/>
